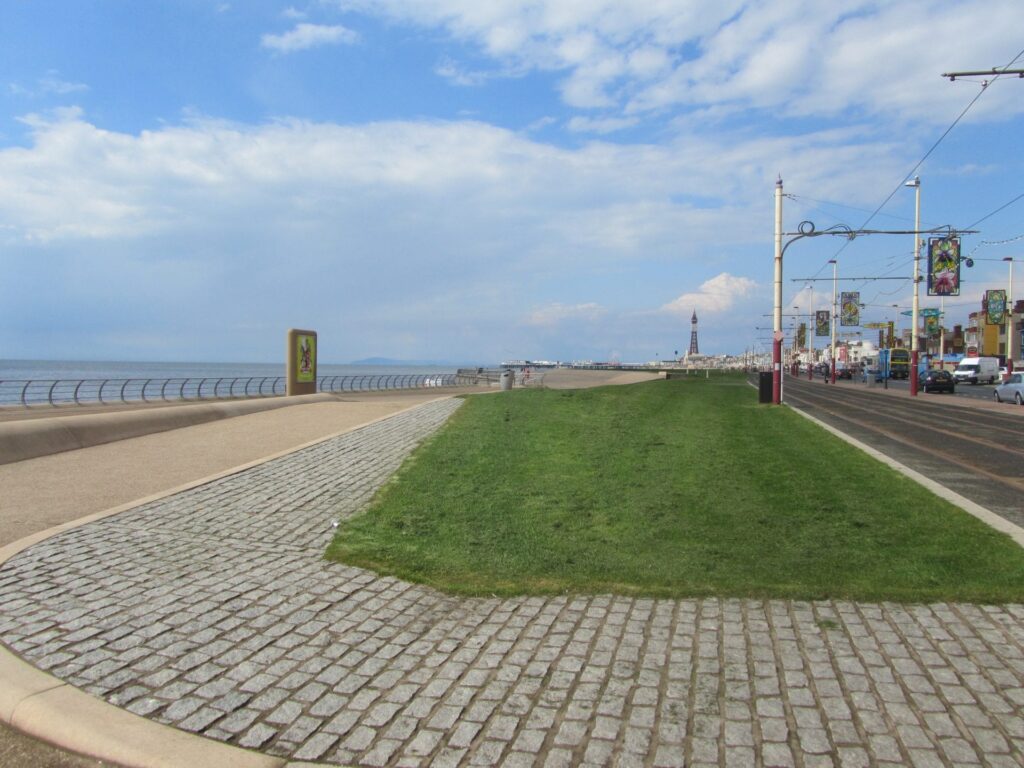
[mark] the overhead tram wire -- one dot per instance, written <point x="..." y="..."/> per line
<point x="935" y="146"/>
<point x="927" y="154"/>
<point x="800" y="199"/>
<point x="997" y="210"/>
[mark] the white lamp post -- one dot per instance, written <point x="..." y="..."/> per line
<point x="777" y="320"/>
<point x="835" y="318"/>
<point x="916" y="184"/>
<point x="1010" y="330"/>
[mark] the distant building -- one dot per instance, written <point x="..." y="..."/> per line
<point x="694" y="350"/>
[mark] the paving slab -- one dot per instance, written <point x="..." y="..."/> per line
<point x="212" y="614"/>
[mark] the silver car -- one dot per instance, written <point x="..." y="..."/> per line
<point x="1011" y="389"/>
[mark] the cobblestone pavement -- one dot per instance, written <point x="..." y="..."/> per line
<point x="213" y="611"/>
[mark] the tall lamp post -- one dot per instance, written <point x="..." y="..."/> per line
<point x="835" y="319"/>
<point x="777" y="320"/>
<point x="812" y="329"/>
<point x="916" y="184"/>
<point x="1010" y="330"/>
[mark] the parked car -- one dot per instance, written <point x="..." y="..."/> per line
<point x="846" y="372"/>
<point x="938" y="381"/>
<point x="1011" y="389"/>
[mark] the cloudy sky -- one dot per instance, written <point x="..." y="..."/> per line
<point x="474" y="181"/>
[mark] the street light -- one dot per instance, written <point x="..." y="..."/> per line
<point x="1009" y="319"/>
<point x="916" y="184"/>
<point x="777" y="321"/>
<point x="812" y="330"/>
<point x="835" y="320"/>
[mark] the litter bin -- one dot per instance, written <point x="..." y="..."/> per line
<point x="764" y="387"/>
<point x="507" y="379"/>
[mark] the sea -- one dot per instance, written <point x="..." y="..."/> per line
<point x="49" y="370"/>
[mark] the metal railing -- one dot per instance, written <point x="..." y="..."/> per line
<point x="42" y="392"/>
<point x="489" y="376"/>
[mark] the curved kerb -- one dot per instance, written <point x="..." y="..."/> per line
<point x="56" y="712"/>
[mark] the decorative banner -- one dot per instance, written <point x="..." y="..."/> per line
<point x="944" y="266"/>
<point x="931" y="325"/>
<point x="995" y="301"/>
<point x="801" y="335"/>
<point x="821" y="324"/>
<point x="305" y="362"/>
<point x="850" y="308"/>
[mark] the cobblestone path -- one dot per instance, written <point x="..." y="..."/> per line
<point x="213" y="611"/>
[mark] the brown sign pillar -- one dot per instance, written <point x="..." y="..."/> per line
<point x="301" y="362"/>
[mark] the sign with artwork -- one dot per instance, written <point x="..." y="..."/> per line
<point x="995" y="306"/>
<point x="305" y="360"/>
<point x="850" y="308"/>
<point x="821" y="323"/>
<point x="301" y="362"/>
<point x="944" y="266"/>
<point x="931" y="325"/>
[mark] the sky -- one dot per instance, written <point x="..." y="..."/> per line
<point x="470" y="181"/>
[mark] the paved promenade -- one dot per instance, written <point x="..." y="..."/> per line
<point x="213" y="611"/>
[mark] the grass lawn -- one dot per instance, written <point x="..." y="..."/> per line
<point x="671" y="488"/>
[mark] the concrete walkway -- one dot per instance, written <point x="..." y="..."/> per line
<point x="212" y="611"/>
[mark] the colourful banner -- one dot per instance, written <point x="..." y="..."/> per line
<point x="305" y="359"/>
<point x="931" y="325"/>
<point x="944" y="266"/>
<point x="850" y="308"/>
<point x="995" y="306"/>
<point x="801" y="335"/>
<point x="821" y="324"/>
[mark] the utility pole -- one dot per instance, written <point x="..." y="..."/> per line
<point x="942" y="332"/>
<point x="916" y="184"/>
<point x="835" y="320"/>
<point x="812" y="330"/>
<point x="777" y="324"/>
<point x="1010" y="330"/>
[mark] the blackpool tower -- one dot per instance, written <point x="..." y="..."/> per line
<point x="693" y="335"/>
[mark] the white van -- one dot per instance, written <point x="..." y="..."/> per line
<point x="977" y="370"/>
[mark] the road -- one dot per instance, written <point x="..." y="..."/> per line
<point x="964" y="391"/>
<point x="969" y="444"/>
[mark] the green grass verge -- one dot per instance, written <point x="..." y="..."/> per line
<point x="672" y="488"/>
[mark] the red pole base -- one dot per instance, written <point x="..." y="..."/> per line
<point x="776" y="372"/>
<point x="913" y="373"/>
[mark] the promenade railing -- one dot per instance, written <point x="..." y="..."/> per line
<point x="41" y="392"/>
<point x="525" y="377"/>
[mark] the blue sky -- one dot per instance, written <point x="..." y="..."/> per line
<point x="466" y="181"/>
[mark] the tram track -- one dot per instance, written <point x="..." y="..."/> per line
<point x="948" y="423"/>
<point x="975" y="451"/>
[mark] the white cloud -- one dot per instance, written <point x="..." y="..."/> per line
<point x="600" y="125"/>
<point x="54" y="84"/>
<point x="797" y="58"/>
<point x="719" y="294"/>
<point x="449" y="69"/>
<point x="555" y="314"/>
<point x="411" y="239"/>
<point x="307" y="35"/>
<point x="50" y="84"/>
